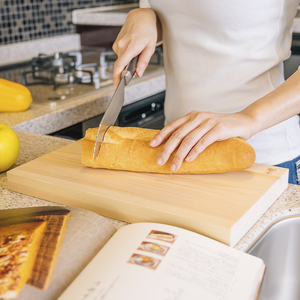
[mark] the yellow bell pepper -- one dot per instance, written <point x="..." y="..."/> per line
<point x="14" y="96"/>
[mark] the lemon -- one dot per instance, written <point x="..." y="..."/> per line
<point x="9" y="147"/>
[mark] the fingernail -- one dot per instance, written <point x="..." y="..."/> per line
<point x="139" y="72"/>
<point x="188" y="159"/>
<point x="173" y="167"/>
<point x="159" y="161"/>
<point x="152" y="142"/>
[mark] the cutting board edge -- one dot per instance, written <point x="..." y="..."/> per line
<point x="91" y="192"/>
<point x="251" y="215"/>
<point x="23" y="173"/>
<point x="136" y="213"/>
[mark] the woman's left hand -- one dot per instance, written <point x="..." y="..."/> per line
<point x="191" y="134"/>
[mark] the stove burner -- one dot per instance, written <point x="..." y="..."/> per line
<point x="61" y="70"/>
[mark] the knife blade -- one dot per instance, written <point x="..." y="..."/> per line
<point x="115" y="105"/>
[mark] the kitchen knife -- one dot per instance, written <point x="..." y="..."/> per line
<point x="115" y="105"/>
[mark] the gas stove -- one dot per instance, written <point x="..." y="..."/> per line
<point x="61" y="77"/>
<point x="61" y="70"/>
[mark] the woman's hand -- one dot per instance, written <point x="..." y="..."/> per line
<point x="138" y="35"/>
<point x="191" y="134"/>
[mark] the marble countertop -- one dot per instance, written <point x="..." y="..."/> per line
<point x="287" y="204"/>
<point x="44" y="119"/>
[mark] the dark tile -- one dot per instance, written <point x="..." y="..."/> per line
<point x="42" y="18"/>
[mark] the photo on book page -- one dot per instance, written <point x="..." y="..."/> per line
<point x="145" y="261"/>
<point x="154" y="248"/>
<point x="162" y="236"/>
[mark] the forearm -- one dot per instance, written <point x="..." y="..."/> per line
<point x="275" y="107"/>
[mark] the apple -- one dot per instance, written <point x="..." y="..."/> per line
<point x="9" y="147"/>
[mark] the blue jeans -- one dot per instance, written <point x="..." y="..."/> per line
<point x="294" y="169"/>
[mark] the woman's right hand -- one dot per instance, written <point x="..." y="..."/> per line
<point x="138" y="35"/>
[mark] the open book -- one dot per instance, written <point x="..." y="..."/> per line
<point x="155" y="261"/>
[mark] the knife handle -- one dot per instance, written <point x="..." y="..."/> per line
<point x="129" y="70"/>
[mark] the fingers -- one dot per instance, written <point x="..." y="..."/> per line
<point x="125" y="58"/>
<point x="183" y="143"/>
<point x="119" y="66"/>
<point x="187" y="137"/>
<point x="178" y="133"/>
<point x="190" y="147"/>
<point x="144" y="60"/>
<point x="184" y="140"/>
<point x="167" y="131"/>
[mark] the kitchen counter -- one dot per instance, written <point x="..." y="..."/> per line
<point x="44" y="118"/>
<point x="288" y="203"/>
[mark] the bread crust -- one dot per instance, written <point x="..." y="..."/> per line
<point x="127" y="148"/>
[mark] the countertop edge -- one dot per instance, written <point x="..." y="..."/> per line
<point x="44" y="120"/>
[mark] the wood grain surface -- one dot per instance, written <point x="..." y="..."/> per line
<point x="221" y="206"/>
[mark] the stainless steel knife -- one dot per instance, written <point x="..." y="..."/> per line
<point x="115" y="105"/>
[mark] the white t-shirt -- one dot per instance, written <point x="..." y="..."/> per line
<point x="221" y="56"/>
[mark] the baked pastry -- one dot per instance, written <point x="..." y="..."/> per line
<point x="56" y="218"/>
<point x="127" y="148"/>
<point x="19" y="246"/>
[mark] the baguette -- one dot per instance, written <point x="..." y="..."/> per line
<point x="127" y="148"/>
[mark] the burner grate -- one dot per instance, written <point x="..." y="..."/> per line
<point x="60" y="70"/>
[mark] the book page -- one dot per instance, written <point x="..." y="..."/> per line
<point x="154" y="261"/>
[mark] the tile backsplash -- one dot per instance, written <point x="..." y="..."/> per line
<point x="24" y="20"/>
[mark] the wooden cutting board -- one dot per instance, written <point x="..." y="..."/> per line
<point x="221" y="206"/>
<point x="57" y="219"/>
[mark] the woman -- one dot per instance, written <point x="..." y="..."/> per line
<point x="224" y="75"/>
